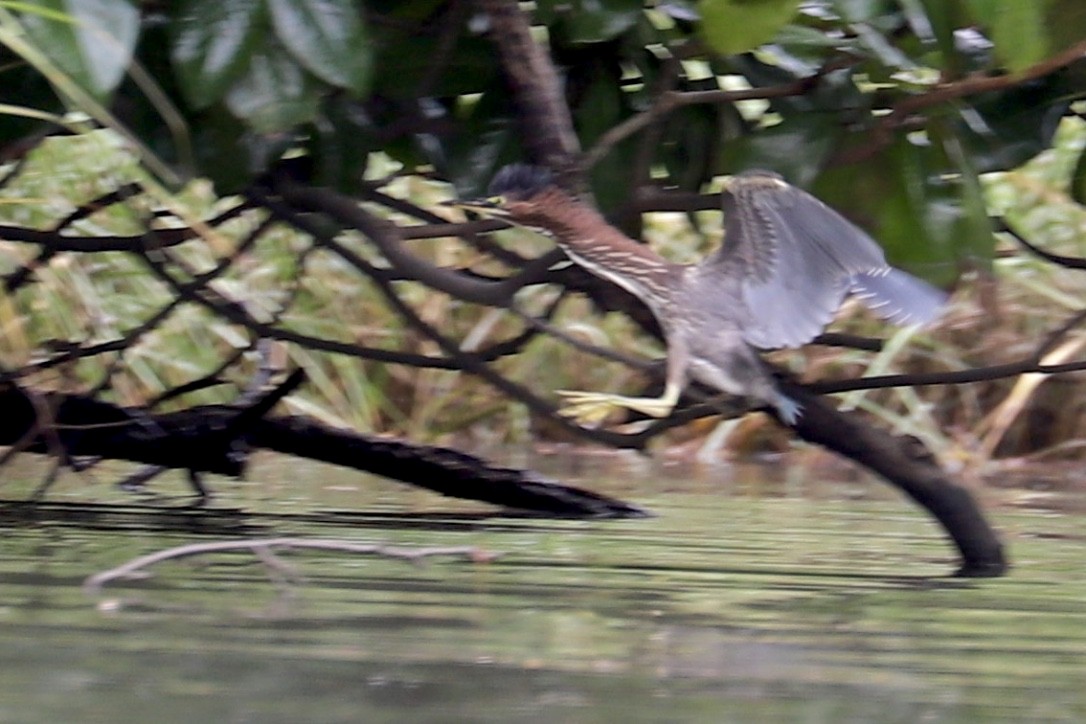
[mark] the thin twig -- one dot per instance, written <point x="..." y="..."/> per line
<point x="1068" y="262"/>
<point x="882" y="133"/>
<point x="135" y="567"/>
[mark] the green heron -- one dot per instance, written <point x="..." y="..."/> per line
<point x="786" y="265"/>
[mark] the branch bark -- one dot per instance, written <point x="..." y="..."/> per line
<point x="536" y="88"/>
<point x="908" y="466"/>
<point x="217" y="439"/>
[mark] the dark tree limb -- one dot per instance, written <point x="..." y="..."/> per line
<point x="55" y="241"/>
<point x="1068" y="262"/>
<point x="217" y="438"/>
<point x="549" y="136"/>
<point x="439" y="469"/>
<point x="908" y="466"/>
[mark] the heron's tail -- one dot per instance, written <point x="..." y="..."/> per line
<point x="898" y="297"/>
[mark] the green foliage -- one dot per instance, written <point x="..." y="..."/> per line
<point x="91" y="40"/>
<point x="211" y="42"/>
<point x="736" y="26"/>
<point x="249" y="80"/>
<point x="1025" y="33"/>
<point x="590" y="21"/>
<point x="327" y="37"/>
<point x="860" y="103"/>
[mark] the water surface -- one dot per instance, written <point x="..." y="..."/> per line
<point x="753" y="595"/>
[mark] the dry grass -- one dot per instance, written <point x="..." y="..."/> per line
<point x="87" y="298"/>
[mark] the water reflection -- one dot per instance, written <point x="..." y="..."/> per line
<point x="755" y="594"/>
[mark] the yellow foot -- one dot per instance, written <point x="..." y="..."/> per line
<point x="592" y="408"/>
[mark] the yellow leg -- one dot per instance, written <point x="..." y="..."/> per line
<point x="592" y="408"/>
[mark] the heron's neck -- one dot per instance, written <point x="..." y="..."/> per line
<point x="596" y="245"/>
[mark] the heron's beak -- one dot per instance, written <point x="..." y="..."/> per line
<point x="483" y="207"/>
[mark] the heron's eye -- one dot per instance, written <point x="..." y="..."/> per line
<point x="496" y="200"/>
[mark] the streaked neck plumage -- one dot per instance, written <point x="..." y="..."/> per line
<point x="590" y="241"/>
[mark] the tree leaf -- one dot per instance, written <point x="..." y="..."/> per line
<point x="736" y="26"/>
<point x="275" y="93"/>
<point x="340" y="144"/>
<point x="210" y="44"/>
<point x="328" y="38"/>
<point x="1004" y="129"/>
<point x="796" y="148"/>
<point x="230" y="152"/>
<point x="1078" y="179"/>
<point x="1017" y="28"/>
<point x="404" y="65"/>
<point x="862" y="11"/>
<point x="591" y="21"/>
<point x="921" y="201"/>
<point x="90" y="40"/>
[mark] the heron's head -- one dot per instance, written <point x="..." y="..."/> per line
<point x="519" y="192"/>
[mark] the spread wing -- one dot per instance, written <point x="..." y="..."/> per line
<point x="796" y="259"/>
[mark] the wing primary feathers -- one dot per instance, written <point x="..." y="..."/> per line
<point x="898" y="297"/>
<point x="795" y="260"/>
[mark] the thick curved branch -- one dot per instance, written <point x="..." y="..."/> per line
<point x="386" y="237"/>
<point x="215" y="438"/>
<point x="906" y="464"/>
<point x="536" y="89"/>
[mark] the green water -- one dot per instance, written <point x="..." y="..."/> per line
<point x="752" y="596"/>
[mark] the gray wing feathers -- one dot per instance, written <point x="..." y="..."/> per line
<point x="897" y="297"/>
<point x="797" y="259"/>
<point x="799" y="298"/>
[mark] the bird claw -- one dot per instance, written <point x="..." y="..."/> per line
<point x="592" y="408"/>
<point x="587" y="408"/>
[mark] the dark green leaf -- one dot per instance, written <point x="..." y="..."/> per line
<point x="1005" y="129"/>
<point x="1078" y="179"/>
<point x="328" y="38"/>
<point x="973" y="238"/>
<point x="483" y="140"/>
<point x="275" y="93"/>
<point x="921" y="201"/>
<point x="1066" y="23"/>
<point x="230" y="153"/>
<point x="796" y="147"/>
<point x="943" y="19"/>
<point x="406" y="65"/>
<point x="736" y="26"/>
<point x="90" y="40"/>
<point x="23" y="87"/>
<point x="340" y="144"/>
<point x="862" y="11"/>
<point x="693" y="142"/>
<point x="591" y="21"/>
<point x="1026" y="33"/>
<point x="210" y="44"/>
<point x="1017" y="28"/>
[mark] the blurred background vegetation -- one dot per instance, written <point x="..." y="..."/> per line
<point x="921" y="120"/>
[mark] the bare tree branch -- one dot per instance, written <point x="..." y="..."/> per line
<point x="536" y="88"/>
<point x="137" y="567"/>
